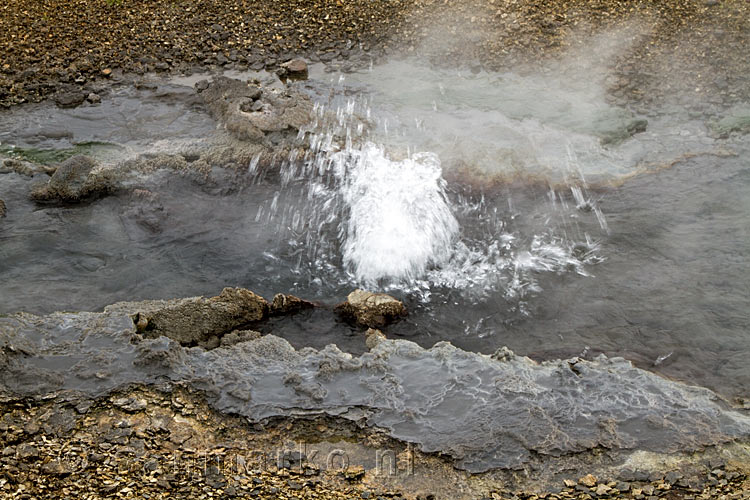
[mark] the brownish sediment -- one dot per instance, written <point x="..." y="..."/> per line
<point x="146" y="443"/>
<point x="671" y="46"/>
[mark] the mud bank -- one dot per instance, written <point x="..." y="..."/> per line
<point x="483" y="412"/>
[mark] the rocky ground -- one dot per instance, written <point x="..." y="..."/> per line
<point x="167" y="439"/>
<point x="147" y="443"/>
<point x="663" y="46"/>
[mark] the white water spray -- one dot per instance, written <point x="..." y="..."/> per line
<point x="400" y="221"/>
<point x="382" y="218"/>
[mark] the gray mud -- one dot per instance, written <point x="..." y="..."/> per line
<point x="485" y="412"/>
<point x="132" y="119"/>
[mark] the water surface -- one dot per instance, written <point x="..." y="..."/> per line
<point x="495" y="205"/>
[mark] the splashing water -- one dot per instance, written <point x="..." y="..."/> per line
<point x="384" y="218"/>
<point x="400" y="221"/>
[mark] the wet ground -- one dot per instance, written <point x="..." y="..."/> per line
<point x="573" y="238"/>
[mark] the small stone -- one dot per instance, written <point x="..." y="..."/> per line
<point x="201" y="85"/>
<point x="28" y="452"/>
<point x="94" y="98"/>
<point x="295" y="69"/>
<point x="588" y="480"/>
<point x="130" y="404"/>
<point x="639" y="475"/>
<point x="75" y="180"/>
<point x="569" y="483"/>
<point x="354" y="473"/>
<point x="252" y="92"/>
<point x="373" y="310"/>
<point x="84" y="406"/>
<point x="55" y="468"/>
<point x="141" y="322"/>
<point x="294" y="485"/>
<point x="106" y="72"/>
<point x="69" y="98"/>
<point x="602" y="490"/>
<point x="373" y="338"/>
<point x="197" y="319"/>
<point x="622" y="487"/>
<point x="287" y="304"/>
<point x="672" y="477"/>
<point x="503" y="354"/>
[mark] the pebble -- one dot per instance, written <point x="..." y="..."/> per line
<point x="588" y="480"/>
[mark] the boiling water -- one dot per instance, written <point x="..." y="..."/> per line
<point x="487" y="202"/>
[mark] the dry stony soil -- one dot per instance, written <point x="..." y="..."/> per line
<point x="669" y="46"/>
<point x="169" y="443"/>
<point x="126" y="445"/>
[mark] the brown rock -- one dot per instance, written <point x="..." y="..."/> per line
<point x="69" y="98"/>
<point x="2" y="208"/>
<point x="373" y="337"/>
<point x="27" y="452"/>
<point x="75" y="180"/>
<point x="373" y="310"/>
<point x="286" y="304"/>
<point x="234" y="104"/>
<point x="55" y="468"/>
<point x="295" y="69"/>
<point x="588" y="480"/>
<point x="238" y="336"/>
<point x="602" y="490"/>
<point x="195" y="320"/>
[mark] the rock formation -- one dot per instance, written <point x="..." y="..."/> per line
<point x="373" y="310"/>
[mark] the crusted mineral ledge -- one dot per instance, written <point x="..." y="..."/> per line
<point x="481" y="413"/>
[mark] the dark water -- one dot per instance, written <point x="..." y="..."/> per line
<point x="673" y="284"/>
<point x="665" y="282"/>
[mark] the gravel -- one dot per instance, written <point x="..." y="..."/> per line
<point x="146" y="443"/>
<point x="678" y="45"/>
